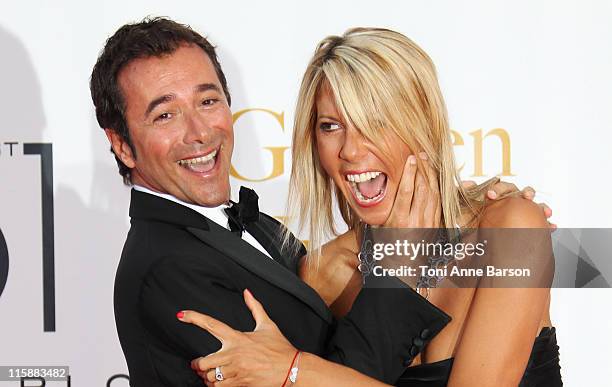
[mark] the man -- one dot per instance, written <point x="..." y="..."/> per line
<point x="163" y="101"/>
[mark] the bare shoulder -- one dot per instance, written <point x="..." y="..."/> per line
<point x="332" y="271"/>
<point x="518" y="237"/>
<point x="513" y="212"/>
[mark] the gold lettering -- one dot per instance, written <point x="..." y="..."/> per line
<point x="278" y="152"/>
<point x="458" y="141"/>
<point x="478" y="151"/>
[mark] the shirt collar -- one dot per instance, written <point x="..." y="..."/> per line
<point x="216" y="214"/>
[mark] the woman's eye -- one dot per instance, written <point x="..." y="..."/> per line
<point x="329" y="126"/>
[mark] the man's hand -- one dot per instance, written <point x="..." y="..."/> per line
<point x="501" y="188"/>
<point x="261" y="357"/>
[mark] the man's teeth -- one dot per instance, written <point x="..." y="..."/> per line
<point x="197" y="160"/>
<point x="362" y="177"/>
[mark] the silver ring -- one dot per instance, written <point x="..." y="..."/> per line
<point x="218" y="374"/>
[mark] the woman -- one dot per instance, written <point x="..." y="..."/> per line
<point x="371" y="132"/>
<point x="368" y="106"/>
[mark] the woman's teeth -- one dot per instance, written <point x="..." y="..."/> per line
<point x="372" y="183"/>
<point x="362" y="177"/>
<point x="363" y="199"/>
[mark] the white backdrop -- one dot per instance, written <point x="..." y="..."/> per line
<point x="538" y="70"/>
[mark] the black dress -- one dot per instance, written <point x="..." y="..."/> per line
<point x="543" y="369"/>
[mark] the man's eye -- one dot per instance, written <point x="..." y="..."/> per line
<point x="163" y="117"/>
<point x="329" y="126"/>
<point x="209" y="101"/>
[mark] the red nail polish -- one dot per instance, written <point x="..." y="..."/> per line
<point x="180" y="315"/>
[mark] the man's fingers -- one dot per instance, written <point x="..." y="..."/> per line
<point x="547" y="210"/>
<point x="220" y="330"/>
<point x="257" y="310"/>
<point x="528" y="193"/>
<point x="500" y="188"/>
<point x="403" y="197"/>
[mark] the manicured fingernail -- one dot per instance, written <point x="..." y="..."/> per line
<point x="180" y="315"/>
<point x="412" y="160"/>
<point x="248" y="292"/>
<point x="491" y="194"/>
<point x="548" y="212"/>
<point x="423" y="156"/>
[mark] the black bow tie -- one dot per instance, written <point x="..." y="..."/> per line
<point x="243" y="212"/>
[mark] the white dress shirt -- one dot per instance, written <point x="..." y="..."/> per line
<point x="216" y="214"/>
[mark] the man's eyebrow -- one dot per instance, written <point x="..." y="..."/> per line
<point x="158" y="101"/>
<point x="202" y="87"/>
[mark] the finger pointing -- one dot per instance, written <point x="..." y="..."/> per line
<point x="257" y="310"/>
<point x="218" y="329"/>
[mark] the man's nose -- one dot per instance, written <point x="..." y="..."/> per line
<point x="354" y="145"/>
<point x="197" y="128"/>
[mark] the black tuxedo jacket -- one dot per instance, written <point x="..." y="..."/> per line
<point x="176" y="259"/>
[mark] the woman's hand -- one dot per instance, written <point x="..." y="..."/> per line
<point x="417" y="202"/>
<point x="261" y="357"/>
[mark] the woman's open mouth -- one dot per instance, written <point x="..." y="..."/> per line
<point x="368" y="188"/>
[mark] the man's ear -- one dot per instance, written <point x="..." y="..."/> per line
<point x="121" y="148"/>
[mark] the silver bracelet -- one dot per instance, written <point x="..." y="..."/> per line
<point x="293" y="374"/>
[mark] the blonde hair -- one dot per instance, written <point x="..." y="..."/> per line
<point x="381" y="81"/>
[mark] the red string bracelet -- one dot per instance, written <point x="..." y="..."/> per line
<point x="291" y="366"/>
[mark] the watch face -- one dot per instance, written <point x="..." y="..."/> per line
<point x="4" y="262"/>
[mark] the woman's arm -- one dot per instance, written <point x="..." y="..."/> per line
<point x="315" y="371"/>
<point x="264" y="357"/>
<point x="502" y="322"/>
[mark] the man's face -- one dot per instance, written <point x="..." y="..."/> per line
<point x="180" y="125"/>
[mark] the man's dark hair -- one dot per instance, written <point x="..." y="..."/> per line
<point x="152" y="37"/>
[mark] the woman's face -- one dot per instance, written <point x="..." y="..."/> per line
<point x="367" y="177"/>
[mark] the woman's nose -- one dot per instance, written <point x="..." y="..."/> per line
<point x="354" y="146"/>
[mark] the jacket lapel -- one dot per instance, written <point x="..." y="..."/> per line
<point x="145" y="206"/>
<point x="259" y="264"/>
<point x="270" y="241"/>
